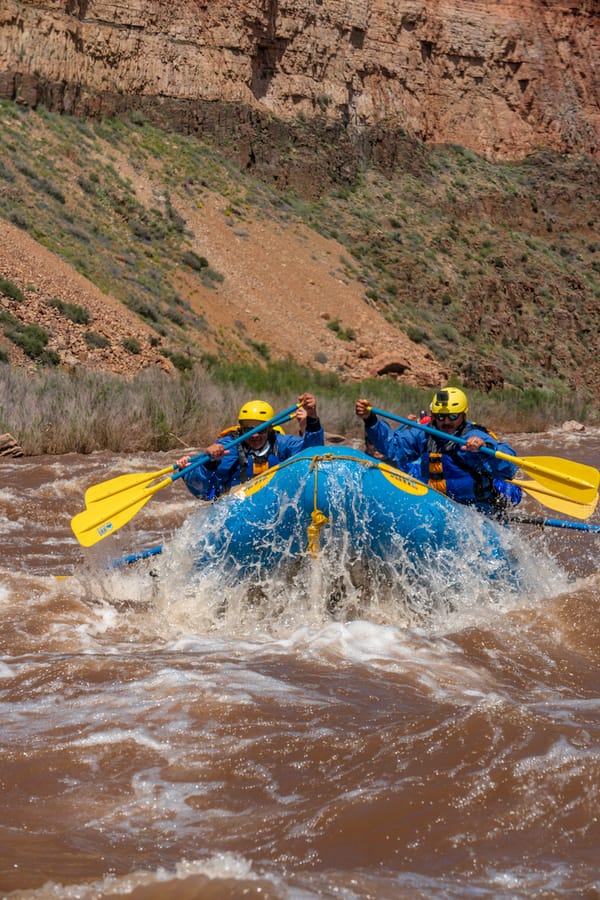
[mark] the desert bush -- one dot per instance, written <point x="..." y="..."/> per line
<point x="46" y="187"/>
<point x="194" y="261"/>
<point x="261" y="348"/>
<point x="5" y="173"/>
<point x="181" y="361"/>
<point x="210" y="277"/>
<point x="95" y="340"/>
<point x="71" y="311"/>
<point x="9" y="289"/>
<point x="48" y="358"/>
<point x="416" y="334"/>
<point x="132" y="345"/>
<point x="32" y="338"/>
<point x="144" y="310"/>
<point x="344" y="334"/>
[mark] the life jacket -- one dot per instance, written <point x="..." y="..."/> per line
<point x="447" y="473"/>
<point x="251" y="463"/>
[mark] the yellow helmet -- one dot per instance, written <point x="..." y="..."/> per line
<point x="449" y="400"/>
<point x="256" y="411"/>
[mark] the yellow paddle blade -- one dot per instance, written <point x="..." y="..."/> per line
<point x="556" y="501"/>
<point x="104" y="517"/>
<point x="113" y="503"/>
<point x="576" y="481"/>
<point x="113" y="486"/>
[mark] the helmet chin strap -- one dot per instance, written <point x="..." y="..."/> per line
<point x="264" y="450"/>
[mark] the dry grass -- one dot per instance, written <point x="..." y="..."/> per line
<point x="56" y="412"/>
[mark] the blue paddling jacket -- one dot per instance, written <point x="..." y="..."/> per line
<point x="477" y="479"/>
<point x="211" y="479"/>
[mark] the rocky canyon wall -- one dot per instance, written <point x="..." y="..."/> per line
<point x="498" y="76"/>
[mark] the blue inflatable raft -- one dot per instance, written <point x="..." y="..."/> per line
<point x="339" y="500"/>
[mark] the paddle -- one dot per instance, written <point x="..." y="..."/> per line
<point x="552" y="523"/>
<point x="576" y="481"/>
<point x="115" y="502"/>
<point x="558" y="502"/>
<point x="113" y="486"/>
<point x="136" y="557"/>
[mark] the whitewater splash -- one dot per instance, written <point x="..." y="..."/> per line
<point x="432" y="590"/>
<point x="331" y="535"/>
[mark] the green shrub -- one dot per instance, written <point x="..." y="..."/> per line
<point x="32" y="339"/>
<point x="132" y="345"/>
<point x="5" y="173"/>
<point x="446" y="331"/>
<point x="144" y="310"/>
<point x="210" y="277"/>
<point x="71" y="311"/>
<point x="9" y="289"/>
<point x="181" y="361"/>
<point x="261" y="348"/>
<point x="174" y="315"/>
<point x="194" y="261"/>
<point x="86" y="185"/>
<point x="25" y="170"/>
<point x="45" y="186"/>
<point x="344" y="334"/>
<point x="147" y="231"/>
<point x="49" y="358"/>
<point x="18" y="219"/>
<point x="95" y="340"/>
<point x="416" y="334"/>
<point x="137" y="117"/>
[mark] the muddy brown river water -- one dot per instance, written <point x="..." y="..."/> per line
<point x="160" y="739"/>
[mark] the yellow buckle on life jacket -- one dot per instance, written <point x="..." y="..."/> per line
<point x="436" y="478"/>
<point x="259" y="466"/>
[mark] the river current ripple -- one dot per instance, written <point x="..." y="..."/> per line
<point x="169" y="736"/>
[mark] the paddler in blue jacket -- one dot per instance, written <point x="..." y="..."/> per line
<point x="257" y="454"/>
<point x="459" y="471"/>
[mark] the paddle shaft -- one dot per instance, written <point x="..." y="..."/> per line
<point x="279" y="419"/>
<point x="124" y="484"/>
<point x="105" y="516"/>
<point x="553" y="523"/>
<point x="136" y="557"/>
<point x="524" y="463"/>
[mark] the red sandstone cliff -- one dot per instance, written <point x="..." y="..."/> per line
<point x="498" y="76"/>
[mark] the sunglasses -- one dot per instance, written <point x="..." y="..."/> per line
<point x="452" y="417"/>
<point x="245" y="429"/>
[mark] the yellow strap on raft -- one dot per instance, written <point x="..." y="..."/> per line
<point x="318" y="518"/>
<point x="313" y="531"/>
<point x="398" y="479"/>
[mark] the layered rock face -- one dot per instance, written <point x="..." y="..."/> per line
<point x="499" y="76"/>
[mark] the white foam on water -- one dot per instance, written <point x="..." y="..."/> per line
<point x="444" y="589"/>
<point x="565" y="758"/>
<point x="216" y="867"/>
<point x="7" y="671"/>
<point x="332" y="609"/>
<point x="5" y="594"/>
<point x="12" y="526"/>
<point x="7" y="496"/>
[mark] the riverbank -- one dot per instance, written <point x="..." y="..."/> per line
<point x="54" y="412"/>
